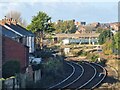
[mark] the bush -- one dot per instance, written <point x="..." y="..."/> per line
<point x="52" y="66"/>
<point x="82" y="53"/>
<point x="43" y="54"/>
<point x="92" y="57"/>
<point x="79" y="62"/>
<point x="10" y="68"/>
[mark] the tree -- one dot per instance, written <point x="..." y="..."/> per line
<point x="94" y="57"/>
<point x="58" y="26"/>
<point x="41" y="23"/>
<point x="10" y="68"/>
<point x="67" y="26"/>
<point x="99" y="30"/>
<point x="116" y="42"/>
<point x="17" y="16"/>
<point x="104" y="36"/>
<point x="107" y="47"/>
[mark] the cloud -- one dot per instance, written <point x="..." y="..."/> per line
<point x="58" y="9"/>
<point x="34" y="1"/>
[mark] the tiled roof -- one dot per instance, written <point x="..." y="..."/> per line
<point x="8" y="33"/>
<point x="20" y="30"/>
<point x="29" y="32"/>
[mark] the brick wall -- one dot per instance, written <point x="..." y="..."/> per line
<point x="13" y="50"/>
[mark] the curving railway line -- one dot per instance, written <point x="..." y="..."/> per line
<point x="77" y="72"/>
<point x="84" y="76"/>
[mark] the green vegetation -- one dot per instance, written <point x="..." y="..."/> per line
<point x="116" y="42"/>
<point x="99" y="30"/>
<point x="104" y="36"/>
<point x="44" y="53"/>
<point x="52" y="71"/>
<point x="10" y="68"/>
<point x="52" y="66"/>
<point x="92" y="57"/>
<point x="107" y="47"/>
<point x="41" y="22"/>
<point x="82" y="53"/>
<point x="67" y="26"/>
<point x="110" y="43"/>
<point x="79" y="62"/>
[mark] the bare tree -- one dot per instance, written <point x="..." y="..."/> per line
<point x="17" y="16"/>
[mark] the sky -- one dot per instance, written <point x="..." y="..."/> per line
<point x="103" y="11"/>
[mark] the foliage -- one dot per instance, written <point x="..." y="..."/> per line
<point x="117" y="40"/>
<point x="43" y="54"/>
<point x="104" y="36"/>
<point x="107" y="47"/>
<point x="74" y="52"/>
<point x="36" y="66"/>
<point x="79" y="62"/>
<point x="52" y="66"/>
<point x="82" y="53"/>
<point x="67" y="26"/>
<point x="10" y="68"/>
<point x="92" y="57"/>
<point x="40" y="22"/>
<point x="99" y="30"/>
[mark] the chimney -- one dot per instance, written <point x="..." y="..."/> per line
<point x="13" y="21"/>
<point x="2" y="22"/>
<point x="8" y="21"/>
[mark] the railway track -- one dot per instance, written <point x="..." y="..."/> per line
<point x="84" y="76"/>
<point x="89" y="74"/>
<point x="77" y="73"/>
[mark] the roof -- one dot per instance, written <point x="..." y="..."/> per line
<point x="8" y="33"/>
<point x="20" y="30"/>
<point x="29" y="32"/>
<point x="77" y="35"/>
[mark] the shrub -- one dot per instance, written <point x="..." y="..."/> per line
<point x="10" y="68"/>
<point x="52" y="66"/>
<point x="80" y="53"/>
<point x="94" y="58"/>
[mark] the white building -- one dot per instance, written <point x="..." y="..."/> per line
<point x="65" y="41"/>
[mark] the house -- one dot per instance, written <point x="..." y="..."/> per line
<point x="9" y="33"/>
<point x="81" y="29"/>
<point x="94" y="24"/>
<point x="105" y="25"/>
<point x="85" y="29"/>
<point x="115" y="26"/>
<point x="80" y="24"/>
<point x="25" y="37"/>
<point x="17" y="44"/>
<point x="13" y="50"/>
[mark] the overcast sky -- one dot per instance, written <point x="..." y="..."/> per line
<point x="80" y="10"/>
